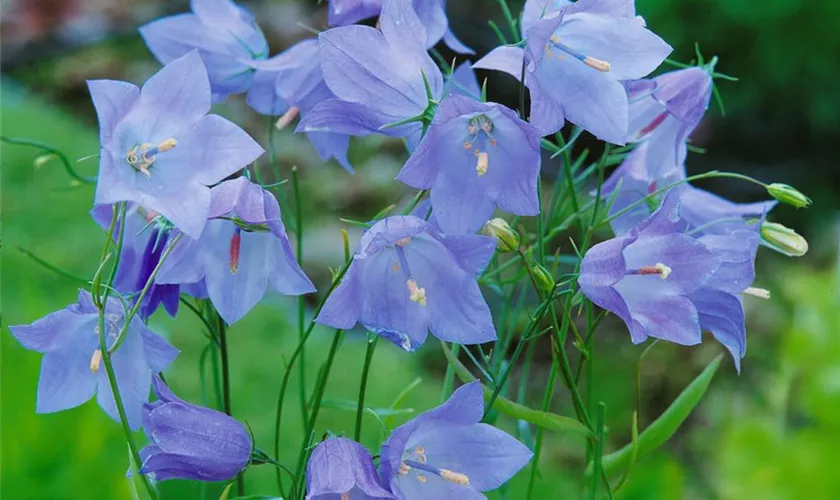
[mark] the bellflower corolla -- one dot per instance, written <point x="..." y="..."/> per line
<point x="476" y="156"/>
<point x="406" y="279"/>
<point x="341" y="467"/>
<point x="71" y="371"/>
<point x="379" y="78"/>
<point x="191" y="442"/>
<point x="463" y="81"/>
<point x="161" y="149"/>
<point x="669" y="283"/>
<point x="447" y="454"/>
<point x="144" y="242"/>
<point x="291" y="83"/>
<point x="225" y="35"/>
<point x="432" y="15"/>
<point x="237" y="261"/>
<point x="664" y="111"/>
<point x="575" y="60"/>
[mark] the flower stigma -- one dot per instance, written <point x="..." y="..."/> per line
<point x="235" y="248"/>
<point x="480" y="130"/>
<point x="659" y="268"/>
<point x="592" y="62"/>
<point x="142" y="156"/>
<point x="415" y="293"/>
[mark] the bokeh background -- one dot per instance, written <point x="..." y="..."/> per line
<point x="771" y="433"/>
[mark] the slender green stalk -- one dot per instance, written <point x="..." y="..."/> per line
<point x="599" y="451"/>
<point x="318" y="395"/>
<point x="119" y="212"/>
<point x="371" y="347"/>
<point x="301" y="301"/>
<point x="511" y="22"/>
<point x="68" y="165"/>
<point x="449" y="378"/>
<point x="221" y="331"/>
<point x="546" y="405"/>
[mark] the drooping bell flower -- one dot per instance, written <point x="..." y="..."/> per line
<point x="342" y="468"/>
<point x="226" y="36"/>
<point x="190" y="441"/>
<point x="476" y="156"/>
<point x="575" y="60"/>
<point x="384" y="81"/>
<point x="144" y="242"/>
<point x="243" y="249"/>
<point x="664" y="111"/>
<point x="291" y="84"/>
<point x="407" y="278"/>
<point x="667" y="282"/>
<point x="463" y="81"/>
<point x="71" y="369"/>
<point x="432" y="15"/>
<point x="161" y="149"/>
<point x="447" y="454"/>
<point x="708" y="213"/>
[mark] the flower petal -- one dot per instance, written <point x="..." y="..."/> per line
<point x="112" y="99"/>
<point x="505" y="58"/>
<point x="181" y="88"/>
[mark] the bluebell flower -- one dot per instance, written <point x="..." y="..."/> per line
<point x="144" y="242"/>
<point x="191" y="442"/>
<point x="406" y="279"/>
<point x="432" y="15"/>
<point x="341" y="467"/>
<point x="379" y="78"/>
<point x="291" y="83"/>
<point x="476" y="156"/>
<point x="226" y="36"/>
<point x="161" y="149"/>
<point x="576" y="58"/>
<point x="238" y="261"/>
<point x="447" y="454"/>
<point x="664" y="111"/>
<point x="71" y="371"/>
<point x="667" y="282"/>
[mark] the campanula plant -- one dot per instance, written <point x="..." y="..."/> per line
<point x="497" y="254"/>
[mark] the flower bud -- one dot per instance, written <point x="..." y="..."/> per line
<point x="789" y="195"/>
<point x="783" y="239"/>
<point x="542" y="277"/>
<point x="507" y="238"/>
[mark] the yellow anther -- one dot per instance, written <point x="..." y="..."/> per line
<point x="403" y="242"/>
<point x="415" y="293"/>
<point x="422" y="479"/>
<point x="493" y="142"/>
<point x="481" y="164"/>
<point x="404" y="469"/>
<point x="467" y="145"/>
<point x="167" y="145"/>
<point x="287" y="118"/>
<point x="95" y="361"/>
<point x="761" y="293"/>
<point x="664" y="271"/>
<point x="598" y="64"/>
<point x="454" y="477"/>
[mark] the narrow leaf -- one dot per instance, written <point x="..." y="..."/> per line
<point x="666" y="425"/>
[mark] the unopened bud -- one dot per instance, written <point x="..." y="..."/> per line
<point x="783" y="239"/>
<point x="543" y="278"/>
<point x="788" y="195"/>
<point x="507" y="240"/>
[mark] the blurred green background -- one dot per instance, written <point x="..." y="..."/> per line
<point x="771" y="433"/>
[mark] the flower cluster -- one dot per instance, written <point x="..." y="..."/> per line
<point x="186" y="224"/>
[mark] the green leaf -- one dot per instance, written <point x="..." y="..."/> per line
<point x="663" y="427"/>
<point x="226" y="492"/>
<point x="546" y="420"/>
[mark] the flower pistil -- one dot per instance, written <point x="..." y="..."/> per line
<point x="142" y="156"/>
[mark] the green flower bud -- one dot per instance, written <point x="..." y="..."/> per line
<point x="507" y="240"/>
<point x="543" y="278"/>
<point x="789" y="195"/>
<point x="783" y="239"/>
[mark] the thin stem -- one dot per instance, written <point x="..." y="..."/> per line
<point x="449" y="378"/>
<point x="301" y="312"/>
<point x="68" y="165"/>
<point x="511" y="22"/>
<point x="371" y="347"/>
<point x="599" y="451"/>
<point x="223" y="349"/>
<point x="546" y="405"/>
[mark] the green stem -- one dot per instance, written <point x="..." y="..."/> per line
<point x="511" y="22"/>
<point x="301" y="301"/>
<point x="68" y="165"/>
<point x="599" y="451"/>
<point x="223" y="349"/>
<point x="546" y="405"/>
<point x="371" y="347"/>
<point x="106" y="355"/>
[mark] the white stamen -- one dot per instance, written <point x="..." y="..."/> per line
<point x="664" y="271"/>
<point x="482" y="162"/>
<point x="415" y="293"/>
<point x="95" y="361"/>
<point x="287" y="118"/>
<point x="454" y="477"/>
